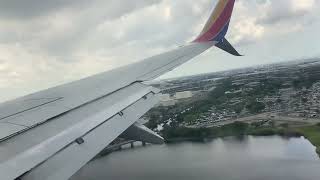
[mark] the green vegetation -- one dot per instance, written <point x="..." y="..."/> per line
<point x="255" y="107"/>
<point x="266" y="87"/>
<point x="233" y="98"/>
<point x="234" y="129"/>
<point x="302" y="82"/>
<point x="312" y="133"/>
<point x="219" y="100"/>
<point x="306" y="78"/>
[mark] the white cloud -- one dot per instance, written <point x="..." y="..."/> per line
<point x="67" y="41"/>
<point x="303" y="5"/>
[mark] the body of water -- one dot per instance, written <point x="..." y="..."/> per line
<point x="249" y="158"/>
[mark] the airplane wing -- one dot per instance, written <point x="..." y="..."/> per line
<point x="51" y="134"/>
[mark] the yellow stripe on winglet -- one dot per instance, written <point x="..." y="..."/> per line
<point x="215" y="14"/>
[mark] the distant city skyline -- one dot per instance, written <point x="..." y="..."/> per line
<point x="47" y="43"/>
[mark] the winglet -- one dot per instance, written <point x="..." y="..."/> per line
<point x="226" y="46"/>
<point x="217" y="26"/>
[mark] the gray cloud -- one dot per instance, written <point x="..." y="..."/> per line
<point x="32" y="8"/>
<point x="278" y="16"/>
<point x="58" y="26"/>
<point x="18" y="9"/>
<point x="286" y="10"/>
<point x="48" y="42"/>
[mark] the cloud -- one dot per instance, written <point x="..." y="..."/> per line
<point x="285" y="10"/>
<point x="43" y="49"/>
<point x="254" y="20"/>
<point x="59" y="26"/>
<point x="48" y="42"/>
<point x="16" y="9"/>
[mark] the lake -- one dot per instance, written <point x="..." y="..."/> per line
<point x="248" y="158"/>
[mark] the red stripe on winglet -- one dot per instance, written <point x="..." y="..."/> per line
<point x="219" y="24"/>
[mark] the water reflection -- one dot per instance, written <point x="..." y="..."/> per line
<point x="229" y="158"/>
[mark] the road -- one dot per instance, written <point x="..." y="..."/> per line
<point x="270" y="116"/>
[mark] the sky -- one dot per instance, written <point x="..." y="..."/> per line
<point x="44" y="43"/>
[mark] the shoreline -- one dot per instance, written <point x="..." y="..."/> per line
<point x="310" y="132"/>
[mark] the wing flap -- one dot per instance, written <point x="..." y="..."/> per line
<point x="139" y="132"/>
<point x="73" y="156"/>
<point x="8" y="129"/>
<point x="14" y="108"/>
<point x="34" y="146"/>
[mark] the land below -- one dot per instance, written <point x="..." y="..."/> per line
<point x="279" y="99"/>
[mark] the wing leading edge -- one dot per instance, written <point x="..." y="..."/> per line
<point x="42" y="130"/>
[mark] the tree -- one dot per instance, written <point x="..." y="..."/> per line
<point x="255" y="107"/>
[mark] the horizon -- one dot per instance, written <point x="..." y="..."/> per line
<point x="163" y="78"/>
